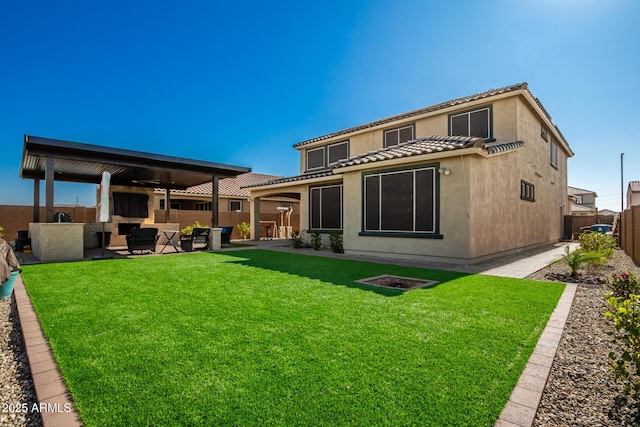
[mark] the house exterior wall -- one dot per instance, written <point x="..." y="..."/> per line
<point x="453" y="218"/>
<point x="481" y="211"/>
<point x="633" y="198"/>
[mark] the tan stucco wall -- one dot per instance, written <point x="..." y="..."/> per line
<point x="500" y="220"/>
<point x="454" y="220"/>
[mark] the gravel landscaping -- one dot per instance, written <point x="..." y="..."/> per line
<point x="17" y="388"/>
<point x="580" y="390"/>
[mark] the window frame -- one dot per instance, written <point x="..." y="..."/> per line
<point x="527" y="191"/>
<point x="543" y="132"/>
<point x="320" y="188"/>
<point x="329" y="146"/>
<point x="553" y="153"/>
<point x="468" y="112"/>
<point x="324" y="158"/>
<point x="434" y="233"/>
<point x="397" y="129"/>
<point x="231" y="201"/>
<point x="208" y="206"/>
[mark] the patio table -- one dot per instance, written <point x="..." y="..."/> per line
<point x="169" y="234"/>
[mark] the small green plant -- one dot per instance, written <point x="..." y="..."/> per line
<point x="598" y="243"/>
<point x="188" y="230"/>
<point x="623" y="284"/>
<point x="625" y="367"/>
<point x="576" y="259"/>
<point x="1" y="232"/>
<point x="316" y="240"/>
<point x="296" y="240"/>
<point x="335" y="240"/>
<point x="244" y="229"/>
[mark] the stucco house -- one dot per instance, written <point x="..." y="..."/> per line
<point x="460" y="181"/>
<point x="583" y="202"/>
<point x="633" y="194"/>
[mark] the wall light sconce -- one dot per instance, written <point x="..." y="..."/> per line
<point x="445" y="171"/>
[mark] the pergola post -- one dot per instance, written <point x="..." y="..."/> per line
<point x="49" y="177"/>
<point x="214" y="201"/>
<point x="255" y="218"/>
<point x="36" y="200"/>
<point x="167" y="205"/>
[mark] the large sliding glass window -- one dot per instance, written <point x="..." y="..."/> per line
<point x="325" y="207"/>
<point x="401" y="201"/>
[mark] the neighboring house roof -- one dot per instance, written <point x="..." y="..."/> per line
<point x="575" y="208"/>
<point x="428" y="145"/>
<point x="575" y="191"/>
<point x="432" y="108"/>
<point x="607" y="212"/>
<point x="231" y="187"/>
<point x="634" y="186"/>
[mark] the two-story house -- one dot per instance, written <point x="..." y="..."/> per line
<point x="583" y="202"/>
<point x="460" y="181"/>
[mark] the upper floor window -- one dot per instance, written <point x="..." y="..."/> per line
<point x="322" y="157"/>
<point x="554" y="153"/>
<point x="543" y="133"/>
<point x="476" y="123"/>
<point x="337" y="151"/>
<point x="398" y="135"/>
<point x="315" y="158"/>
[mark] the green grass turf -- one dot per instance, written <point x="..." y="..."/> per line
<point x="255" y="337"/>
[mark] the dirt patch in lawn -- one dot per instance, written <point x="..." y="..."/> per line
<point x="397" y="282"/>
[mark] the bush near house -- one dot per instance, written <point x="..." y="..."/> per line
<point x="1" y="232"/>
<point x="624" y="311"/>
<point x="598" y="243"/>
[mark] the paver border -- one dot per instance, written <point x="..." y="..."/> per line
<point x="520" y="410"/>
<point x="54" y="400"/>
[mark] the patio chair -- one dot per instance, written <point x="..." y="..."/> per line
<point x="201" y="236"/>
<point x="225" y="235"/>
<point x="142" y="239"/>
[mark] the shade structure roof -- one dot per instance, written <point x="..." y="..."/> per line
<point x="85" y="163"/>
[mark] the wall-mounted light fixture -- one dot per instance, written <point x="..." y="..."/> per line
<point x="445" y="171"/>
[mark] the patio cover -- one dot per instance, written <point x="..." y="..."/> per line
<point x="58" y="160"/>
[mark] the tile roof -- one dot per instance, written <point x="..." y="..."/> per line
<point x="428" y="145"/>
<point x="441" y="106"/>
<point x="575" y="191"/>
<point x="232" y="187"/>
<point x="292" y="179"/>
<point x="634" y="186"/>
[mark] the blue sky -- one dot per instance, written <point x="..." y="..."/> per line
<point x="241" y="82"/>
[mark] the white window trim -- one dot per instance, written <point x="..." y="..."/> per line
<point x="324" y="158"/>
<point x="238" y="201"/>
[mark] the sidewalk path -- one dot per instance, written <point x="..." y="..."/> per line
<point x="529" y="265"/>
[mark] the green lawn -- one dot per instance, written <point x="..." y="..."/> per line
<point x="264" y="338"/>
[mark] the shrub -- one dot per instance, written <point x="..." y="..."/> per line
<point x="335" y="240"/>
<point x="244" y="229"/>
<point x="623" y="284"/>
<point x="577" y="258"/>
<point x="316" y="240"/>
<point x="296" y="240"/>
<point x="625" y="367"/>
<point x="598" y="243"/>
<point x="1" y="232"/>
